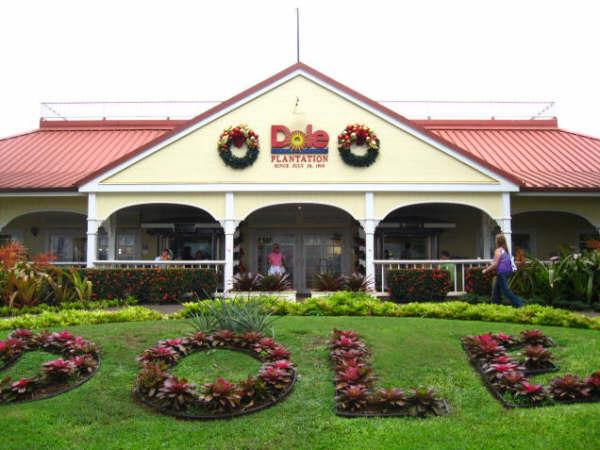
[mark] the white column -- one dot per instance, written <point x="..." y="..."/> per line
<point x="92" y="230"/>
<point x="229" y="225"/>
<point x="111" y="231"/>
<point x="505" y="221"/>
<point x="369" y="224"/>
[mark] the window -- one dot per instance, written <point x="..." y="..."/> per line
<point x="126" y="244"/>
<point x="406" y="247"/>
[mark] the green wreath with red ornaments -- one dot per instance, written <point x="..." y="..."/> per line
<point x="238" y="137"/>
<point x="359" y="135"/>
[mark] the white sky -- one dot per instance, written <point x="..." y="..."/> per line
<point x="182" y="50"/>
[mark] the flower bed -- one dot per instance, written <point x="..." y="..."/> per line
<point x="506" y="377"/>
<point x="356" y="395"/>
<point x="152" y="285"/>
<point x="222" y="399"/>
<point x="418" y="285"/>
<point x="78" y="363"/>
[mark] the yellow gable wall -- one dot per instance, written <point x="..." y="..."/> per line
<point x="13" y="207"/>
<point x="108" y="203"/>
<point x="194" y="159"/>
<point x="586" y="207"/>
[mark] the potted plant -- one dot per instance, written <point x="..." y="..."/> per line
<point x="327" y="283"/>
<point x="257" y="285"/>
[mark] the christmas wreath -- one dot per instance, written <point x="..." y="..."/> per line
<point x="238" y="136"/>
<point x="358" y="135"/>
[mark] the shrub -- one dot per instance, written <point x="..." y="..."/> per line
<point x="238" y="315"/>
<point x="478" y="283"/>
<point x="152" y="285"/>
<point x="568" y="388"/>
<point x="73" y="317"/>
<point x="418" y="285"/>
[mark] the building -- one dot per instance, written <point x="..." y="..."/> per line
<point x="115" y="192"/>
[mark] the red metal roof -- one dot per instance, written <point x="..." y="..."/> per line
<point x="540" y="154"/>
<point x="59" y="154"/>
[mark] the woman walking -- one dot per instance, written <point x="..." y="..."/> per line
<point x="502" y="263"/>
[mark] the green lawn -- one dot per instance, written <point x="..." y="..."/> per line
<point x="407" y="351"/>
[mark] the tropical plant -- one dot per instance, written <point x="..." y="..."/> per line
<point x="593" y="382"/>
<point x="423" y="401"/>
<point x="531" y="393"/>
<point x="392" y="398"/>
<point x="221" y="396"/>
<point x="568" y="388"/>
<point x="23" y="285"/>
<point x="246" y="282"/>
<point x="59" y="284"/>
<point x="58" y="369"/>
<point x="352" y="398"/>
<point x="238" y="315"/>
<point x="275" y="283"/>
<point x="176" y="393"/>
<point x="81" y="285"/>
<point x="537" y="357"/>
<point x="357" y="282"/>
<point x="536" y="337"/>
<point x="151" y="378"/>
<point x="328" y="281"/>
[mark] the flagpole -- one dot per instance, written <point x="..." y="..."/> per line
<point x="297" y="34"/>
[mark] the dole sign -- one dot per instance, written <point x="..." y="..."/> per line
<point x="298" y="149"/>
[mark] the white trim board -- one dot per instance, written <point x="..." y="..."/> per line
<point x="93" y="185"/>
<point x="303" y="187"/>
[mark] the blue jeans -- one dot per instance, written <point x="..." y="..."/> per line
<point x="501" y="288"/>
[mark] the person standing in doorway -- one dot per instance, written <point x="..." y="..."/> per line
<point x="503" y="266"/>
<point x="276" y="262"/>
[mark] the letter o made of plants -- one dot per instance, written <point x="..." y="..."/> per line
<point x="79" y="361"/>
<point x="174" y="396"/>
<point x="359" y="135"/>
<point x="238" y="137"/>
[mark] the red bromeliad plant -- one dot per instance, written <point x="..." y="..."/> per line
<point x="511" y="380"/>
<point x="532" y="393"/>
<point x="504" y="375"/>
<point x="222" y="338"/>
<point x="221" y="396"/>
<point x="593" y="382"/>
<point x="159" y="354"/>
<point x="221" y="399"/>
<point x="536" y="337"/>
<point x="352" y="398"/>
<point x="537" y="357"/>
<point x="24" y="386"/>
<point x="568" y="388"/>
<point x="354" y="384"/>
<point x="178" y="345"/>
<point x="79" y="361"/>
<point x="177" y="393"/>
<point x="58" y="369"/>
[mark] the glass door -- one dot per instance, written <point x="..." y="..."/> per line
<point x="322" y="253"/>
<point x="287" y="245"/>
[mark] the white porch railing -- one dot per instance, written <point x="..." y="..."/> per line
<point x="216" y="265"/>
<point x="457" y="267"/>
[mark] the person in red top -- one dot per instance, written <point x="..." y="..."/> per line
<point x="276" y="263"/>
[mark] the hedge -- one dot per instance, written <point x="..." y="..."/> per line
<point x="418" y="285"/>
<point x="152" y="285"/>
<point x="339" y="304"/>
<point x="79" y="317"/>
<point x="478" y="283"/>
<point x="345" y="304"/>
